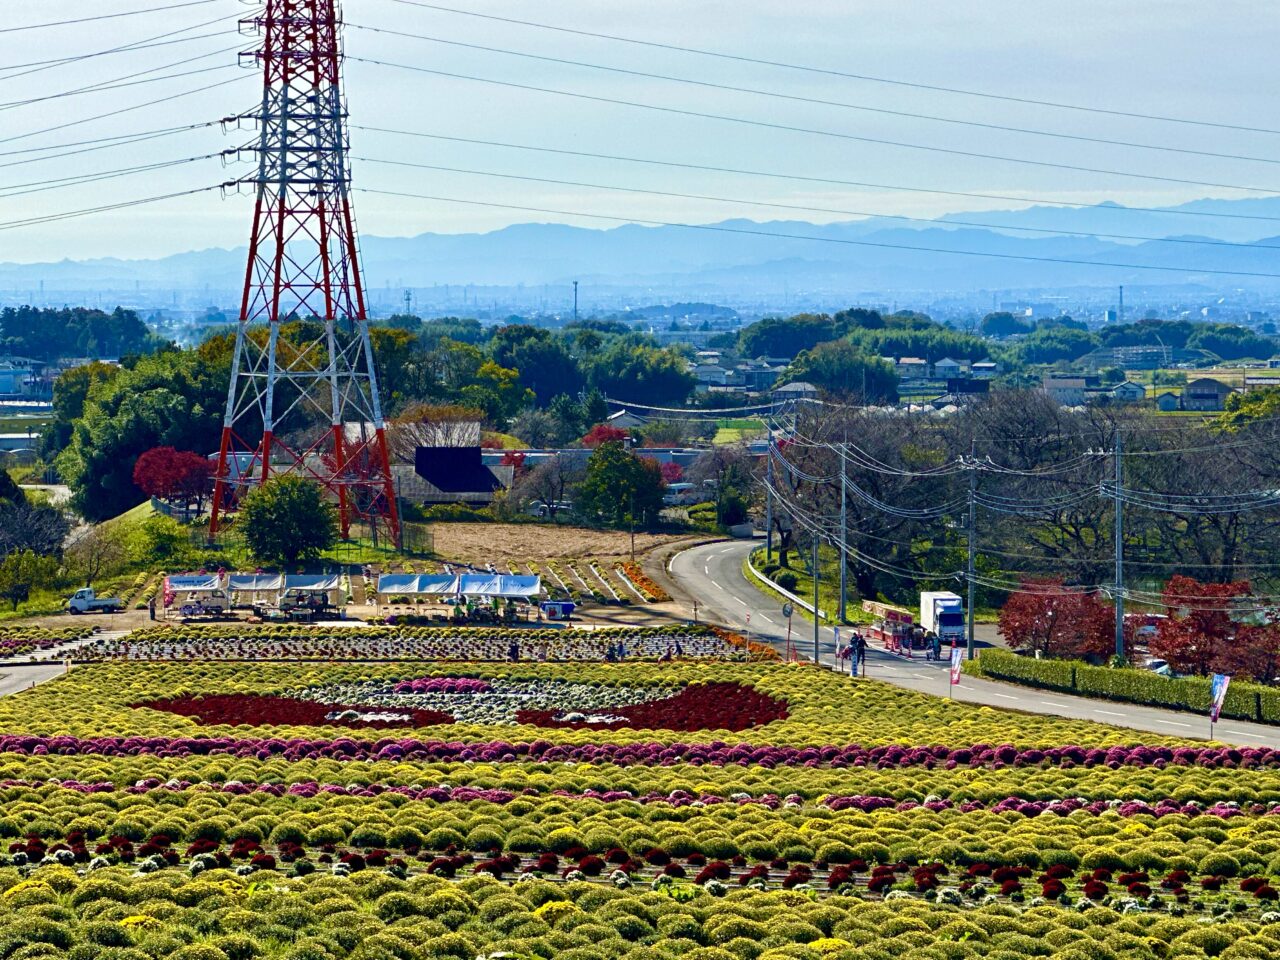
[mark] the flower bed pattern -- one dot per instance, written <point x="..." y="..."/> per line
<point x="607" y="811"/>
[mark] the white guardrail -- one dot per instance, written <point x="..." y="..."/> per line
<point x="782" y="590"/>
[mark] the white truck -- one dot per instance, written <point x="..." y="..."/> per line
<point x="85" y="600"/>
<point x="943" y="613"/>
<point x="211" y="602"/>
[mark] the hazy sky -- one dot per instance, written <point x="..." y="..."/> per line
<point x="1185" y="58"/>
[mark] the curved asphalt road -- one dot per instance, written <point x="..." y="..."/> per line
<point x="713" y="575"/>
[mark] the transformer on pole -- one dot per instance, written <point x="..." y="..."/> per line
<point x="306" y="403"/>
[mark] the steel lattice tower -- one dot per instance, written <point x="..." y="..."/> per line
<point x="319" y="389"/>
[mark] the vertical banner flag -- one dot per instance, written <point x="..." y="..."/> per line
<point x="1218" y="694"/>
<point x="957" y="661"/>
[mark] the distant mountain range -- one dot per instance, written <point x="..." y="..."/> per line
<point x="859" y="257"/>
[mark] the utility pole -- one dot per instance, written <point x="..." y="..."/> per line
<point x="973" y="529"/>
<point x="1119" y="535"/>
<point x="768" y="504"/>
<point x="575" y="301"/>
<point x="844" y="537"/>
<point x="817" y="621"/>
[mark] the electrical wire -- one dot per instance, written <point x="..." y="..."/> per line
<point x="103" y="87"/>
<point x="830" y="181"/>
<point x="114" y="142"/>
<point x="1199" y="242"/>
<point x="1004" y="128"/>
<point x="39" y="186"/>
<point x="147" y="43"/>
<point x="756" y="61"/>
<point x="717" y="228"/>
<point x="787" y="128"/>
<point x="105" y="16"/>
<point x="115" y="113"/>
<point x="89" y="211"/>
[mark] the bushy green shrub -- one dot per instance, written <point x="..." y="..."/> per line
<point x="1049" y="674"/>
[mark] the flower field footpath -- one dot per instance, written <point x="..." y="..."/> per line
<point x="183" y="804"/>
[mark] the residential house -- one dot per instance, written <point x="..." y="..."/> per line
<point x="1068" y="391"/>
<point x="797" y="390"/>
<point x="453" y="475"/>
<point x="1128" y="391"/>
<point x="624" y="420"/>
<point x="16" y="375"/>
<point x="913" y="368"/>
<point x="947" y="369"/>
<point x="986" y="369"/>
<point x="1206" y="394"/>
<point x="1168" y="402"/>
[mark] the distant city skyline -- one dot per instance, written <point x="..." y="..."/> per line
<point x="1181" y="59"/>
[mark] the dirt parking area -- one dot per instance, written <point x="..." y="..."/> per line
<point x="497" y="542"/>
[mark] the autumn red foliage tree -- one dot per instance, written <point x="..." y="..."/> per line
<point x="672" y="472"/>
<point x="1199" y="636"/>
<point x="1048" y="617"/>
<point x="177" y="476"/>
<point x="601" y="434"/>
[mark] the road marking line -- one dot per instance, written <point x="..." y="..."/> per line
<point x="1003" y="696"/>
<point x="706" y="569"/>
<point x="766" y="619"/>
<point x="1251" y="736"/>
<point x="1108" y="713"/>
<point x="739" y="600"/>
<point x="1174" y="723"/>
<point x="1060" y="706"/>
<point x="922" y="676"/>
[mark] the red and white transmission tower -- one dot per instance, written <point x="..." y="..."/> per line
<point x="319" y="389"/>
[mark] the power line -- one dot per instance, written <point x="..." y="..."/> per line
<point x="809" y="209"/>
<point x="104" y="143"/>
<point x="799" y="178"/>
<point x="715" y="228"/>
<point x="105" y="16"/>
<point x="89" y="211"/>
<point x="38" y="66"/>
<point x="114" y="113"/>
<point x="111" y="85"/>
<point x="699" y="115"/>
<point x="1004" y="128"/>
<point x="937" y="88"/>
<point x="39" y="186"/>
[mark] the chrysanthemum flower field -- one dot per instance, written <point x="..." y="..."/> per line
<point x="220" y="810"/>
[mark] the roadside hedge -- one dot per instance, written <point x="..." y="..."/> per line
<point x="1245" y="701"/>
<point x="1049" y="674"/>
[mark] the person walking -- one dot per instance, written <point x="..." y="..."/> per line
<point x="935" y="642"/>
<point x="151" y="607"/>
<point x="860" y="650"/>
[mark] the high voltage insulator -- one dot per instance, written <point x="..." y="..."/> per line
<point x="303" y="266"/>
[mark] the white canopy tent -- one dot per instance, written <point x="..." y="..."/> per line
<point x="485" y="585"/>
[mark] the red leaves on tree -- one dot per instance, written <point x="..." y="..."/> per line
<point x="601" y="434"/>
<point x="171" y="474"/>
<point x="1199" y="636"/>
<point x="1058" y="621"/>
<point x="672" y="472"/>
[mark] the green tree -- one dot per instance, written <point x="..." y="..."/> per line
<point x="631" y="369"/>
<point x="287" y="519"/>
<point x="70" y="391"/>
<point x="621" y="487"/>
<point x="841" y="369"/>
<point x="1002" y="324"/>
<point x="173" y="399"/>
<point x="1243" y="409"/>
<point x="544" y="364"/>
<point x="20" y="571"/>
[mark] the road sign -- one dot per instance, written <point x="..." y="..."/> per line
<point x="788" y="610"/>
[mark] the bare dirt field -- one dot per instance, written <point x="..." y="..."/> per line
<point x="483" y="542"/>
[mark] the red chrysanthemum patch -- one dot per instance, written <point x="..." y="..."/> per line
<point x="711" y="706"/>
<point x="263" y="710"/>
